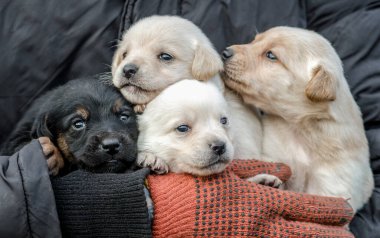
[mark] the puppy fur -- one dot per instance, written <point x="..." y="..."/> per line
<point x="164" y="49"/>
<point x="87" y="122"/>
<point x="145" y="47"/>
<point x="185" y="129"/>
<point x="311" y="121"/>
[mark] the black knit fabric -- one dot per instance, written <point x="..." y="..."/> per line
<point x="102" y="205"/>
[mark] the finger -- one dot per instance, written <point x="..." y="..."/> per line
<point x="47" y="146"/>
<point x="55" y="163"/>
<point x="311" y="208"/>
<point x="44" y="140"/>
<point x="282" y="228"/>
<point x="250" y="168"/>
<point x="48" y="150"/>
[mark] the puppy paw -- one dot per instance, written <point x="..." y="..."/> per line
<point x="54" y="158"/>
<point x="146" y="159"/>
<point x="139" y="109"/>
<point x="266" y="179"/>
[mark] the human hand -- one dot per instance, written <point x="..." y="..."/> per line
<point x="226" y="204"/>
<point x="54" y="158"/>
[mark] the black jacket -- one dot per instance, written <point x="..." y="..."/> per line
<point x="44" y="43"/>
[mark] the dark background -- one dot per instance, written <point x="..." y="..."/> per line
<point x="45" y="43"/>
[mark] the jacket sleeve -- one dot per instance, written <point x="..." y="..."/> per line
<point x="27" y="205"/>
<point x="102" y="205"/>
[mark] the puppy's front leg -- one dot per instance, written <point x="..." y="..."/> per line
<point x="54" y="158"/>
<point x="147" y="159"/>
<point x="266" y="179"/>
<point x="140" y="108"/>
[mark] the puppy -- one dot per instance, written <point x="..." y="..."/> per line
<point x="160" y="50"/>
<point x="185" y="129"/>
<point x="311" y="121"/>
<point x="87" y="122"/>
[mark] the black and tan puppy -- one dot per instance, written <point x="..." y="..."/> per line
<point x="85" y="122"/>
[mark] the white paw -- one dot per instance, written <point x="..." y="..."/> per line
<point x="266" y="179"/>
<point x="146" y="159"/>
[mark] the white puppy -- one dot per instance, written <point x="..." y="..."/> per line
<point x="160" y="50"/>
<point x="312" y="122"/>
<point x="185" y="129"/>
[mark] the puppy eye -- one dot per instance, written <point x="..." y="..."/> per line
<point x="165" y="57"/>
<point x="270" y="55"/>
<point x="124" y="117"/>
<point x="124" y="55"/>
<point x="183" y="128"/>
<point x="224" y="120"/>
<point x="78" y="124"/>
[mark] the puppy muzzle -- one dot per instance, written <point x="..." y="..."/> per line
<point x="130" y="70"/>
<point x="108" y="152"/>
<point x="110" y="145"/>
<point x="227" y="54"/>
<point x="218" y="148"/>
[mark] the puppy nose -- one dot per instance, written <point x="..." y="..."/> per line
<point x="227" y="53"/>
<point x="130" y="70"/>
<point x="110" y="145"/>
<point x="218" y="147"/>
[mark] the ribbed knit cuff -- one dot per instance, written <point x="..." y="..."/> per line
<point x="102" y="205"/>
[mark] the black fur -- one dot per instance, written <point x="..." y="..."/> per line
<point x="93" y="147"/>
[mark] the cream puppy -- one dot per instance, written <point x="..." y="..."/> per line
<point x="160" y="50"/>
<point x="185" y="129"/>
<point x="311" y="121"/>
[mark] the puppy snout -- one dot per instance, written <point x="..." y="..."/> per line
<point x="110" y="145"/>
<point x="130" y="70"/>
<point x="218" y="147"/>
<point x="227" y="53"/>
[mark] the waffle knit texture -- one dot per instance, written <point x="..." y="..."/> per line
<point x="225" y="205"/>
<point x="102" y="205"/>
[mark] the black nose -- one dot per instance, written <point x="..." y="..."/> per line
<point x="218" y="147"/>
<point x="110" y="145"/>
<point x="130" y="70"/>
<point x="227" y="53"/>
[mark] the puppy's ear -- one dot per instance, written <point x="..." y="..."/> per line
<point x="322" y="85"/>
<point x="41" y="128"/>
<point x="206" y="63"/>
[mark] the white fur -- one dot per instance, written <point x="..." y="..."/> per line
<point x="194" y="57"/>
<point x="198" y="105"/>
<point x="312" y="122"/>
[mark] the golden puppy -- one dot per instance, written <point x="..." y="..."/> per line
<point x="311" y="120"/>
<point x="160" y="50"/>
<point x="185" y="129"/>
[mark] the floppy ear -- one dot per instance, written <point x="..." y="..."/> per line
<point x="322" y="86"/>
<point x="206" y="63"/>
<point x="41" y="128"/>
